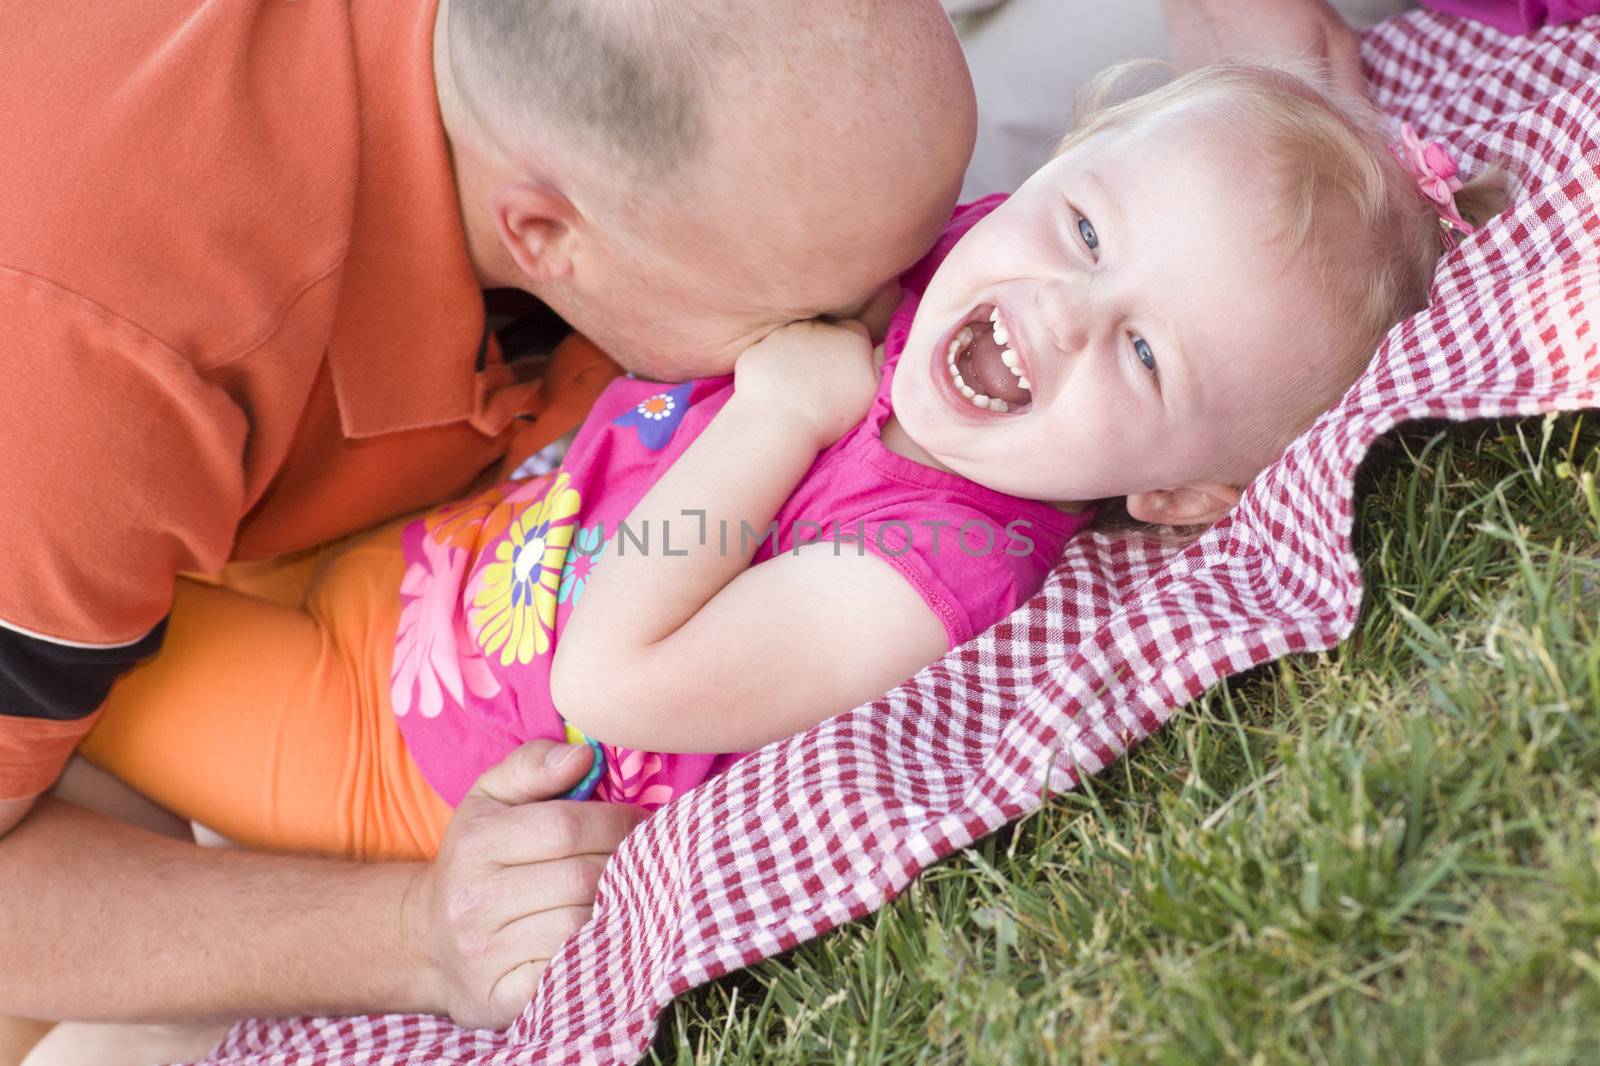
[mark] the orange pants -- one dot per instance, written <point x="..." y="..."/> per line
<point x="266" y="715"/>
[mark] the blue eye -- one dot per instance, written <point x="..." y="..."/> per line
<point x="1086" y="231"/>
<point x="1141" y="348"/>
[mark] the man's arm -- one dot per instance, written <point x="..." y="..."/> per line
<point x="1208" y="31"/>
<point x="105" y="921"/>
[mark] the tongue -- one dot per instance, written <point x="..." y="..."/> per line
<point x="982" y="368"/>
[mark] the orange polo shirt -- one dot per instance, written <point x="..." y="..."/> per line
<point x="237" y="318"/>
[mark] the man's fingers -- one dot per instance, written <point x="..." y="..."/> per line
<point x="539" y="832"/>
<point x="537" y="937"/>
<point x="538" y="770"/>
<point x="515" y="876"/>
<point x="512" y="993"/>
<point x="524" y="891"/>
<point x="523" y="951"/>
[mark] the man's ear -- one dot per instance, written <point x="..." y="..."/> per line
<point x="1199" y="504"/>
<point x="538" y="226"/>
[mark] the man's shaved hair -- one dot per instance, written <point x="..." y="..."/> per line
<point x="625" y="80"/>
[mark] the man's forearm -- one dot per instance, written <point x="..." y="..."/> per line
<point x="1211" y="31"/>
<point x="99" y="920"/>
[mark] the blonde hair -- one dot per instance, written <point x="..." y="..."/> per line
<point x="1344" y="206"/>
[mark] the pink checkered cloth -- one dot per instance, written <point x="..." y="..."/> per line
<point x="818" y="830"/>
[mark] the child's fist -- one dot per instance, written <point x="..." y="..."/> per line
<point x="817" y="370"/>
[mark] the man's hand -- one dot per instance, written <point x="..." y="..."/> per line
<point x="1208" y="31"/>
<point x="514" y="878"/>
<point x="105" y="921"/>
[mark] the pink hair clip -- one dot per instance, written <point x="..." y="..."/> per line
<point x="1435" y="173"/>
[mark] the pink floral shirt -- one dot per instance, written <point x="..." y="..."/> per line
<point x="490" y="581"/>
<point x="1518" y="16"/>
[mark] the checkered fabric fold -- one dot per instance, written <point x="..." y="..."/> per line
<point x="823" y="828"/>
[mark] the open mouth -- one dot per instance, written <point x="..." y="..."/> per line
<point x="983" y="366"/>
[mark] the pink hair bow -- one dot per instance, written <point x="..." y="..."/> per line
<point x="1435" y="173"/>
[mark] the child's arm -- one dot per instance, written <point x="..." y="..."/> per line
<point x="701" y="652"/>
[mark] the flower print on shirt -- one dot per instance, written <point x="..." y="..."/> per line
<point x="478" y="520"/>
<point x="631" y="778"/>
<point x="581" y="561"/>
<point x="432" y="661"/>
<point x="656" y="417"/>
<point x="514" y="597"/>
<point x="469" y="522"/>
<point x="585" y="788"/>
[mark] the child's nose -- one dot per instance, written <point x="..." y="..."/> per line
<point x="1071" y="317"/>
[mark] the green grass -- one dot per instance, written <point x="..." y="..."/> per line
<point x="1389" y="853"/>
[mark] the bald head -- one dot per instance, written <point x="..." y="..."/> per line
<point x="625" y="79"/>
<point x="730" y="164"/>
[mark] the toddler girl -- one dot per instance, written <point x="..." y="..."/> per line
<point x="1199" y="272"/>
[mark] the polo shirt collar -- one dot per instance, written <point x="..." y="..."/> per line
<point x="410" y="323"/>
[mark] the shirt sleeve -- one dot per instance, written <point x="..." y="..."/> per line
<point x="970" y="569"/>
<point x="120" y="467"/>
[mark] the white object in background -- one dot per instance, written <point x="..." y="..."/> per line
<point x="546" y="460"/>
<point x="1028" y="60"/>
<point x="207" y="837"/>
<point x="1364" y="13"/>
<point x="1030" y="57"/>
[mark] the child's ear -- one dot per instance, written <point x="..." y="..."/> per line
<point x="539" y="227"/>
<point x="1199" y="504"/>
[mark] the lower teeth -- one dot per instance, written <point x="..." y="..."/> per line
<point x="978" y="399"/>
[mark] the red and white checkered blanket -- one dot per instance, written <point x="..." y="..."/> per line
<point x="818" y="830"/>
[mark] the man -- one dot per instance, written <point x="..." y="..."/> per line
<point x="242" y="248"/>
<point x="241" y="276"/>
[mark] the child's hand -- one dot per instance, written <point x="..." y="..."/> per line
<point x="819" y="371"/>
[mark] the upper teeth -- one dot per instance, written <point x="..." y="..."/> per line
<point x="1001" y="336"/>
